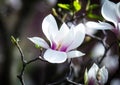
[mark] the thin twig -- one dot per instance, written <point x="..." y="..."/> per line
<point x="24" y="62"/>
<point x="20" y="76"/>
<point x="106" y="46"/>
<point x="105" y="53"/>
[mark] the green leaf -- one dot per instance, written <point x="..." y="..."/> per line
<point x="64" y="6"/>
<point x="76" y="5"/>
<point x="13" y="40"/>
<point x="94" y="6"/>
<point x="88" y="5"/>
<point x="94" y="16"/>
<point x="86" y="77"/>
<point x="37" y="46"/>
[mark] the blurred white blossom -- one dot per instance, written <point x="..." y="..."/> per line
<point x="111" y="62"/>
<point x="16" y="4"/>
<point x="111" y="12"/>
<point x="115" y="82"/>
<point x="98" y="50"/>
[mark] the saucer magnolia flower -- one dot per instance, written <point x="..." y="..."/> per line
<point x="111" y="12"/>
<point x="63" y="41"/>
<point x="97" y="76"/>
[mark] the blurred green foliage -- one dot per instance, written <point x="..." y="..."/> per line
<point x="74" y="7"/>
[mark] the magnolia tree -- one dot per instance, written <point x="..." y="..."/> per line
<point x="66" y="31"/>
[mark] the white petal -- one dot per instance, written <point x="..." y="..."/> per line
<point x="62" y="33"/>
<point x="118" y="10"/>
<point x="98" y="26"/>
<point x="39" y="41"/>
<point x="68" y="39"/>
<point x="93" y="71"/>
<point x="79" y="31"/>
<point x="104" y="75"/>
<point x="109" y="11"/>
<point x="53" y="56"/>
<point x="74" y="54"/>
<point x="49" y="27"/>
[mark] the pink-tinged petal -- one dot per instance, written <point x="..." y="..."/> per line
<point x="54" y="56"/>
<point x="93" y="71"/>
<point x="98" y="25"/>
<point x="74" y="54"/>
<point x="104" y="75"/>
<point x="39" y="41"/>
<point x="109" y="11"/>
<point x="79" y="31"/>
<point x="68" y="39"/>
<point x="118" y="10"/>
<point x="116" y="30"/>
<point x="61" y="33"/>
<point x="53" y="45"/>
<point x="49" y="27"/>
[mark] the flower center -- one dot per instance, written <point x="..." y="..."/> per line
<point x="58" y="47"/>
<point x="98" y="76"/>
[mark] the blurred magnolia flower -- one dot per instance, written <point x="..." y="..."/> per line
<point x="98" y="50"/>
<point x="88" y="30"/>
<point x="52" y="2"/>
<point x="111" y="12"/>
<point x="115" y="81"/>
<point x="96" y="75"/>
<point x="16" y="4"/>
<point x="111" y="62"/>
<point x="63" y="41"/>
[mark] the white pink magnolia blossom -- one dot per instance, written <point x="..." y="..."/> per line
<point x="111" y="13"/>
<point x="97" y="76"/>
<point x="63" y="41"/>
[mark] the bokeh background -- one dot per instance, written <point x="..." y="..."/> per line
<point x="23" y="19"/>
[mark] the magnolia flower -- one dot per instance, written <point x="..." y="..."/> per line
<point x="63" y="41"/>
<point x="111" y="12"/>
<point x="97" y="75"/>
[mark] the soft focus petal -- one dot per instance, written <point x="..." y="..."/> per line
<point x="118" y="10"/>
<point x="62" y="33"/>
<point x="115" y="81"/>
<point x="98" y="25"/>
<point x="49" y="27"/>
<point x="118" y="31"/>
<point x="98" y="50"/>
<point x="79" y="31"/>
<point x="53" y="56"/>
<point x="111" y="62"/>
<point x="74" y="54"/>
<point x="109" y="11"/>
<point x="93" y="71"/>
<point x="39" y="41"/>
<point x="104" y="75"/>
